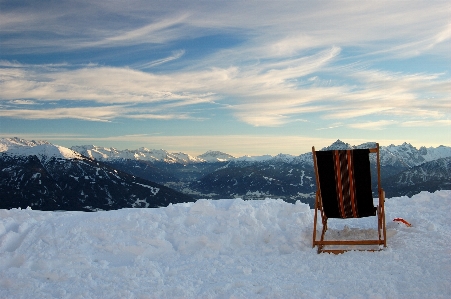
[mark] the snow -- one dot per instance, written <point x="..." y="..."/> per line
<point x="405" y="154"/>
<point x="215" y="156"/>
<point x="144" y="154"/>
<point x="43" y="150"/>
<point x="248" y="158"/>
<point x="227" y="248"/>
<point x="439" y="152"/>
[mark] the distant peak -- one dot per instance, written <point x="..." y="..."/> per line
<point x="214" y="156"/>
<point x="339" y="142"/>
<point x="338" y="145"/>
<point x="214" y="153"/>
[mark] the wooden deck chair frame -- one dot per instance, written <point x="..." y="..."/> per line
<point x="380" y="213"/>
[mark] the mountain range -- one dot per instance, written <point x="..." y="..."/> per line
<point x="47" y="176"/>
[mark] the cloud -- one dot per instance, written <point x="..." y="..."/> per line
<point x="108" y="85"/>
<point x="373" y="125"/>
<point x="157" y="32"/>
<point x="273" y="93"/>
<point x="265" y="79"/>
<point x="277" y="29"/>
<point x="94" y="113"/>
<point x="384" y="93"/>
<point x="427" y="123"/>
<point x="103" y="114"/>
<point x="175" y="55"/>
<point x="22" y="102"/>
<point x="99" y="84"/>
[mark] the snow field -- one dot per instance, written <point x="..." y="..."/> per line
<point x="227" y="248"/>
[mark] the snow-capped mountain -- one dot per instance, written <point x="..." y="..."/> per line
<point x="292" y="178"/>
<point x="144" y="154"/>
<point x="153" y="155"/>
<point x="6" y="143"/>
<point x="41" y="149"/>
<point x="404" y="155"/>
<point x="433" y="175"/>
<point x="215" y="156"/>
<point x="411" y="156"/>
<point x="219" y="175"/>
<point x="50" y="177"/>
<point x="248" y="158"/>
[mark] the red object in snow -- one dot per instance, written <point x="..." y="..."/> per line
<point x="403" y="221"/>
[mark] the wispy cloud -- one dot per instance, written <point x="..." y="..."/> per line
<point x="22" y="102"/>
<point x="175" y="55"/>
<point x="268" y="94"/>
<point x="427" y="123"/>
<point x="94" y="113"/>
<point x="157" y="32"/>
<point x="303" y="25"/>
<point x="103" y="114"/>
<point x="332" y="65"/>
<point x="373" y="125"/>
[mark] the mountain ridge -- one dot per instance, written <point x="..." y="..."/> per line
<point x="216" y="175"/>
<point x="405" y="153"/>
<point x="49" y="177"/>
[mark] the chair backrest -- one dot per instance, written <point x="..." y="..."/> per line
<point x="344" y="179"/>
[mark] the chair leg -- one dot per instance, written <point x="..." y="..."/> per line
<point x="314" y="224"/>
<point x="384" y="229"/>
<point x="382" y="204"/>
<point x="379" y="222"/>
<point x="323" y="233"/>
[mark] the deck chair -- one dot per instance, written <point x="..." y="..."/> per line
<point x="343" y="190"/>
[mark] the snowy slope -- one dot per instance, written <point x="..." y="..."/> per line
<point x="42" y="149"/>
<point x="429" y="176"/>
<point x="106" y="154"/>
<point x="222" y="249"/>
<point x="50" y="177"/>
<point x="215" y="156"/>
<point x="399" y="156"/>
<point x="6" y="143"/>
<point x="435" y="153"/>
<point x="411" y="156"/>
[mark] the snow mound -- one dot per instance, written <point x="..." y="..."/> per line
<point x="227" y="248"/>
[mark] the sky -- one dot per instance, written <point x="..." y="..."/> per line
<point x="242" y="77"/>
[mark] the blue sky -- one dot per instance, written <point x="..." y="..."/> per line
<point x="243" y="77"/>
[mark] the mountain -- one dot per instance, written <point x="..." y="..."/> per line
<point x="215" y="156"/>
<point x="292" y="177"/>
<point x="409" y="156"/>
<point x="49" y="177"/>
<point x="142" y="154"/>
<point x="259" y="180"/>
<point x="153" y="155"/>
<point x="219" y="175"/>
<point x="429" y="176"/>
<point x="404" y="155"/>
<point x="405" y="170"/>
<point x="42" y="149"/>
